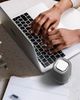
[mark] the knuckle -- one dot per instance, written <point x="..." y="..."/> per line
<point x="50" y="38"/>
<point x="46" y="16"/>
<point x="44" y="27"/>
<point x="40" y="14"/>
<point x="60" y="30"/>
<point x="38" y="24"/>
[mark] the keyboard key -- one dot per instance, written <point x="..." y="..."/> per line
<point x="30" y="19"/>
<point x="41" y="57"/>
<point x="16" y="18"/>
<point x="22" y="27"/>
<point x="35" y="43"/>
<point x="26" y="14"/>
<point x="24" y="18"/>
<point x="44" y="60"/>
<point x="17" y="21"/>
<point x="36" y="49"/>
<point x="30" y="36"/>
<point x="32" y="40"/>
<point x="57" y="55"/>
<point x="20" y="19"/>
<point x="50" y="60"/>
<point x="38" y="53"/>
<point x="25" y="25"/>
<point x="38" y="40"/>
<point x="43" y="53"/>
<point x="27" y="34"/>
<point x="47" y="64"/>
<point x="46" y="56"/>
<point x="22" y="22"/>
<point x="24" y="30"/>
<point x="38" y="46"/>
<point x="62" y="54"/>
<point x="27" y="21"/>
<point x="36" y="36"/>
<point x="41" y="49"/>
<point x="53" y="57"/>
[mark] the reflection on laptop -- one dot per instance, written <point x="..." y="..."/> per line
<point x="32" y="44"/>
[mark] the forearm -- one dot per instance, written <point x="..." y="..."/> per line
<point x="64" y="5"/>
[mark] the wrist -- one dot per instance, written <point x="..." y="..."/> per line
<point x="78" y="33"/>
<point x="63" y="5"/>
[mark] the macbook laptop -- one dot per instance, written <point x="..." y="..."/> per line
<point x="19" y="27"/>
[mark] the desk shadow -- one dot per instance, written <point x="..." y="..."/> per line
<point x="48" y="80"/>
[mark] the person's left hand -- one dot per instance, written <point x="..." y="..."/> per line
<point x="63" y="38"/>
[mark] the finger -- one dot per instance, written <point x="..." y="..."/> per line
<point x="53" y="32"/>
<point x="59" y="47"/>
<point x="35" y="20"/>
<point x="46" y="25"/>
<point x="35" y="24"/>
<point x="54" y="43"/>
<point x="55" y="24"/>
<point x="57" y="42"/>
<point x="49" y="45"/>
<point x="42" y="23"/>
<point x="45" y="39"/>
<point x="54" y="37"/>
<point x="52" y="26"/>
<point x="38" y="17"/>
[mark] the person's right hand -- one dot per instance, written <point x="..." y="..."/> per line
<point x="63" y="38"/>
<point x="47" y="20"/>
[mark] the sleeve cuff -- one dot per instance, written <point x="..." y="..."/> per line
<point x="75" y="3"/>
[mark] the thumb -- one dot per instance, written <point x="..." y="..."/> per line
<point x="53" y="26"/>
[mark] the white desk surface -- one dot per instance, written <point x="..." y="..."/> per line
<point x="18" y="58"/>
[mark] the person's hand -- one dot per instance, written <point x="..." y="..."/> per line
<point x="46" y="20"/>
<point x="49" y="19"/>
<point x="63" y="38"/>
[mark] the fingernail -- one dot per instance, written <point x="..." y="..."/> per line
<point x="50" y="29"/>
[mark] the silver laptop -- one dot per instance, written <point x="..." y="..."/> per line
<point x="19" y="27"/>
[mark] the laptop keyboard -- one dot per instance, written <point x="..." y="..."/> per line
<point x="44" y="55"/>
